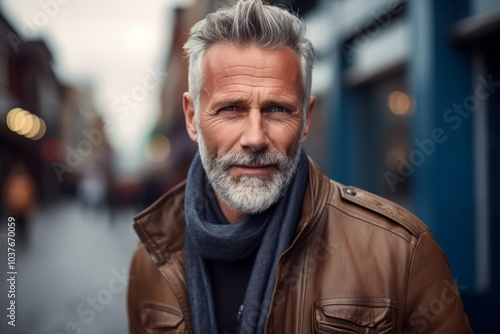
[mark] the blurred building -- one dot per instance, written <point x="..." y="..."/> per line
<point x="49" y="130"/>
<point x="85" y="163"/>
<point x="29" y="109"/>
<point x="413" y="116"/>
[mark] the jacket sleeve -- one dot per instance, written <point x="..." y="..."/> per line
<point x="433" y="302"/>
<point x="133" y="302"/>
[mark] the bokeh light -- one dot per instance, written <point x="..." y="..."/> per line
<point x="400" y="103"/>
<point x="26" y="124"/>
<point x="158" y="148"/>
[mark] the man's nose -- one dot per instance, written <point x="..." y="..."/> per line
<point x="254" y="136"/>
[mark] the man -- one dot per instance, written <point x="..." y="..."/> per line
<point x="258" y="240"/>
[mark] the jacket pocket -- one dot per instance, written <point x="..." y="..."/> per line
<point x="159" y="318"/>
<point x="355" y="315"/>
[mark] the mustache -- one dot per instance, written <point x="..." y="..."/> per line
<point x="251" y="159"/>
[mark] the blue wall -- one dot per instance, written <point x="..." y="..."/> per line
<point x="440" y="78"/>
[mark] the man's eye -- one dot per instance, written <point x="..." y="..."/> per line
<point x="278" y="109"/>
<point x="228" y="108"/>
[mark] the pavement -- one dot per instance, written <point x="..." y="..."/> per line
<point x="72" y="271"/>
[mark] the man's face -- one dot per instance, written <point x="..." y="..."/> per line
<point x="250" y="124"/>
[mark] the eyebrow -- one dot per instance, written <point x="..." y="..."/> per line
<point x="266" y="102"/>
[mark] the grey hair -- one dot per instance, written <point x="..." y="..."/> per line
<point x="249" y="22"/>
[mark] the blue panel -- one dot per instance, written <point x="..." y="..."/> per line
<point x="441" y="79"/>
<point x="342" y="135"/>
<point x="483" y="6"/>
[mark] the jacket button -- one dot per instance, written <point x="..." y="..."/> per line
<point x="350" y="191"/>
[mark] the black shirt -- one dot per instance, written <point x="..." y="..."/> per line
<point x="229" y="284"/>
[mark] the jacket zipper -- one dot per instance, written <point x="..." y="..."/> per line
<point x="278" y="273"/>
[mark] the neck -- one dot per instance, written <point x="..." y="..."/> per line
<point x="231" y="215"/>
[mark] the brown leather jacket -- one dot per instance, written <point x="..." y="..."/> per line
<point x="358" y="264"/>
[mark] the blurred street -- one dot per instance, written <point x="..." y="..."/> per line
<point x="72" y="271"/>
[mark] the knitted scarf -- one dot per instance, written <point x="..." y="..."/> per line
<point x="209" y="236"/>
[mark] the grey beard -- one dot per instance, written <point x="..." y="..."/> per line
<point x="249" y="194"/>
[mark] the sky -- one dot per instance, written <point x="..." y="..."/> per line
<point x="118" y="47"/>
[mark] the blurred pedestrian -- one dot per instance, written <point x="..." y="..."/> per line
<point x="19" y="197"/>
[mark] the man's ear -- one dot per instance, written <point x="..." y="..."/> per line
<point x="188" y="106"/>
<point x="312" y="102"/>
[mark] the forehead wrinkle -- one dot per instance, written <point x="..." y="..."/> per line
<point x="261" y="60"/>
<point x="251" y="76"/>
<point x="263" y="74"/>
<point x="237" y="95"/>
<point x="230" y="67"/>
<point x="249" y="84"/>
<point x="246" y="69"/>
<point x="275" y="91"/>
<point x="253" y="81"/>
<point x="256" y="71"/>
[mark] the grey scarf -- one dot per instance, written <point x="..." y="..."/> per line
<point x="209" y="236"/>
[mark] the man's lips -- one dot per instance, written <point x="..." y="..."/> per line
<point x="253" y="169"/>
